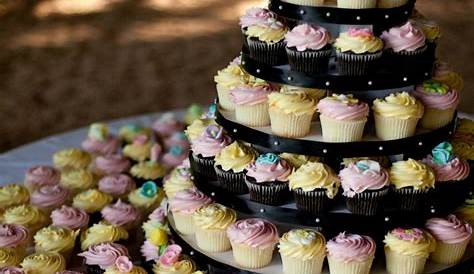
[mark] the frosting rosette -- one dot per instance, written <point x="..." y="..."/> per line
<point x="255" y="16"/>
<point x="111" y="164"/>
<point x="235" y="157"/>
<point x="41" y="175"/>
<point x="70" y="217"/>
<point x="434" y="94"/>
<point x="307" y="37"/>
<point x="445" y="165"/>
<point x="11" y="270"/>
<point x="148" y="170"/>
<point x="358" y="41"/>
<point x="398" y="105"/>
<point x="294" y="102"/>
<point x="361" y="176"/>
<point x="91" y="200"/>
<point x="449" y="230"/>
<point x="175" y="155"/>
<point x="55" y="239"/>
<point x="254" y="232"/>
<point x="230" y="77"/>
<point x="303" y="244"/>
<point x="180" y="267"/>
<point x="147" y="196"/>
<point x="77" y="180"/>
<point x="167" y="124"/>
<point x="269" y="167"/>
<point x="116" y="185"/>
<point x="196" y="128"/>
<point x="430" y="28"/>
<point x="297" y="160"/>
<point x="312" y="176"/>
<point x="270" y="30"/>
<point x="412" y="173"/>
<point x="150" y="251"/>
<point x="188" y="201"/>
<point x="121" y="214"/>
<point x="43" y="263"/>
<point x="410" y="242"/>
<point x="13" y="235"/>
<point x="343" y="107"/>
<point x="214" y="216"/>
<point x="13" y="195"/>
<point x="211" y="142"/>
<point x="405" y="38"/>
<point x="464" y="150"/>
<point x="250" y="95"/>
<point x="73" y="158"/>
<point x="49" y="196"/>
<point x="139" y="149"/>
<point x="102" y="233"/>
<point x="444" y="74"/>
<point x="130" y="131"/>
<point x="27" y="215"/>
<point x="179" y="179"/>
<point x="347" y="247"/>
<point x="10" y="256"/>
<point x="103" y="255"/>
<point x="99" y="141"/>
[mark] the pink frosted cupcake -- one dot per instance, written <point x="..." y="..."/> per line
<point x="121" y="214"/>
<point x="167" y="125"/>
<point x="99" y="141"/>
<point x="70" y="217"/>
<point x="267" y="179"/>
<point x="177" y="138"/>
<point x="251" y="104"/>
<point x="150" y="170"/>
<point x="308" y="48"/>
<point x="183" y="205"/>
<point x="111" y="164"/>
<point x="350" y="254"/>
<point x="175" y="155"/>
<point x="99" y="257"/>
<point x="253" y="241"/>
<point x="38" y="176"/>
<point x="440" y="103"/>
<point x="48" y="198"/>
<point x="16" y="238"/>
<point x="452" y="237"/>
<point x="342" y="118"/>
<point x="365" y="184"/>
<point x="118" y="185"/>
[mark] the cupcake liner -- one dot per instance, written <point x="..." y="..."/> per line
<point x="408" y="60"/>
<point x="315" y="201"/>
<point x="252" y="257"/>
<point x="305" y="2"/>
<point x="223" y="94"/>
<point x="212" y="240"/>
<point x="253" y="115"/>
<point x="203" y="165"/>
<point x="401" y="264"/>
<point x="341" y="267"/>
<point x="94" y="269"/>
<point x="410" y="199"/>
<point x="290" y="125"/>
<point x="184" y="223"/>
<point x="341" y="131"/>
<point x="297" y="266"/>
<point x="394" y="128"/>
<point x="449" y="253"/>
<point x="391" y="3"/>
<point x="311" y="61"/>
<point x="231" y="181"/>
<point x="436" y="118"/>
<point x="270" y="54"/>
<point x="356" y="64"/>
<point x="357" y="4"/>
<point x="270" y="193"/>
<point x="367" y="203"/>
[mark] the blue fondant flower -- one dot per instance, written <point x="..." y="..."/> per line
<point x="443" y="153"/>
<point x="268" y="158"/>
<point x="149" y="189"/>
<point x="211" y="112"/>
<point x="176" y="150"/>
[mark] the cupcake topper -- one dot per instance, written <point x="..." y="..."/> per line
<point x="171" y="255"/>
<point x="360" y="32"/>
<point x="155" y="153"/>
<point x="211" y="111"/>
<point x="214" y="132"/>
<point x="345" y="99"/>
<point x="443" y="153"/>
<point x="123" y="264"/>
<point x="159" y="237"/>
<point x="140" y="139"/>
<point x="176" y="150"/>
<point x="149" y="189"/>
<point x="268" y="159"/>
<point x="435" y="87"/>
<point x="365" y="165"/>
<point x="98" y="131"/>
<point x="303" y="236"/>
<point x="408" y="234"/>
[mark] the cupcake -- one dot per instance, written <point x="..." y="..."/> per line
<point x="172" y="262"/>
<point x="444" y="74"/>
<point x="452" y="237"/>
<point x="302" y="251"/>
<point x="432" y="33"/>
<point x="226" y="79"/>
<point x="396" y="116"/>
<point x="70" y="217"/>
<point x="151" y="170"/>
<point x="178" y="138"/>
<point x="13" y="195"/>
<point x="11" y="270"/>
<point x="43" y="263"/>
<point x="118" y="185"/>
<point x="129" y="132"/>
<point x="406" y="250"/>
<point x="102" y="233"/>
<point x="350" y="254"/>
<point x="121" y="214"/>
<point x="139" y="149"/>
<point x="77" y="180"/>
<point x="251" y="104"/>
<point x="56" y="239"/>
<point x="365" y="185"/>
<point x="40" y="175"/>
<point x="205" y="148"/>
<point x="99" y="141"/>
<point x="297" y="160"/>
<point x="210" y="225"/>
<point x="313" y="3"/>
<point x="440" y="103"/>
<point x="266" y="41"/>
<point x="99" y="257"/>
<point x="313" y="93"/>
<point x="193" y="112"/>
<point x="16" y="238"/>
<point x="123" y="265"/>
<point x="175" y="155"/>
<point x="195" y="130"/>
<point x="412" y="182"/>
<point x="147" y="197"/>
<point x="308" y="48"/>
<point x="356" y="4"/>
<point x="71" y="158"/>
<point x="253" y="242"/>
<point x="342" y="118"/>
<point x="357" y="51"/>
<point x="183" y="205"/>
<point x="167" y="125"/>
<point x="9" y="257"/>
<point x="313" y="185"/>
<point x="92" y="201"/>
<point x="110" y="164"/>
<point x="291" y="113"/>
<point x="48" y="198"/>
<point x="179" y="179"/>
<point x="26" y="215"/>
<point x="267" y="179"/>
<point x="390" y="3"/>
<point x="253" y="17"/>
<point x="230" y="164"/>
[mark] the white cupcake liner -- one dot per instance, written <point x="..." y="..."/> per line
<point x="436" y="118"/>
<point x="184" y="223"/>
<point x="390" y="3"/>
<point x="341" y="267"/>
<point x="252" y="257"/>
<point x="290" y="125"/>
<point x="401" y="264"/>
<point x="311" y="61"/>
<point x="341" y="131"/>
<point x="253" y="115"/>
<point x="313" y="3"/>
<point x="267" y="53"/>
<point x="297" y="266"/>
<point x="394" y="128"/>
<point x="212" y="240"/>
<point x="449" y="253"/>
<point x="223" y="94"/>
<point x="357" y="64"/>
<point x="357" y="4"/>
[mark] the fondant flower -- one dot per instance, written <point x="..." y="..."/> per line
<point x="149" y="189"/>
<point x="159" y="237"/>
<point x="123" y="264"/>
<point x="268" y="158"/>
<point x="176" y="150"/>
<point x="442" y="153"/>
<point x="432" y="86"/>
<point x="408" y="234"/>
<point x="171" y="255"/>
<point x="368" y="165"/>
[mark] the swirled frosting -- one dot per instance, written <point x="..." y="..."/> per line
<point x="70" y="217"/>
<point x="411" y="173"/>
<point x="10" y="256"/>
<point x="13" y="195"/>
<point x="121" y="214"/>
<point x="55" y="239"/>
<point x="167" y="124"/>
<point x="77" y="180"/>
<point x="27" y="215"/>
<point x="449" y="230"/>
<point x="41" y="175"/>
<point x="405" y="38"/>
<point x="104" y="254"/>
<point x="91" y="200"/>
<point x="230" y="77"/>
<point x="11" y="270"/>
<point x="188" y="201"/>
<point x="150" y="251"/>
<point x="73" y="158"/>
<point x="109" y="145"/>
<point x="464" y="150"/>
<point x="454" y="170"/>
<point x="179" y="179"/>
<point x="361" y="176"/>
<point x="436" y="95"/>
<point x="398" y="105"/>
<point x="111" y="164"/>
<point x="180" y="267"/>
<point x="343" y="107"/>
<point x="466" y="211"/>
<point x="13" y="235"/>
<point x="129" y="132"/>
<point x="297" y="160"/>
<point x="141" y="198"/>
<point x="211" y="142"/>
<point x="270" y="30"/>
<point x="255" y="16"/>
<point x="49" y="196"/>
<point x="347" y="247"/>
<point x="465" y="126"/>
<point x="175" y="155"/>
<point x="102" y="233"/>
<point x="358" y="41"/>
<point x="148" y="170"/>
<point x="133" y="270"/>
<point x="313" y="93"/>
<point x="295" y="102"/>
<point x="312" y="175"/>
<point x="307" y="37"/>
<point x="253" y="232"/>
<point x="43" y="263"/>
<point x="410" y="242"/>
<point x="234" y="157"/>
<point x="250" y="95"/>
<point x="445" y="75"/>
<point x="302" y="244"/>
<point x="269" y="168"/>
<point x="214" y="216"/>
<point x="116" y="185"/>
<point x="430" y="28"/>
<point x="196" y="128"/>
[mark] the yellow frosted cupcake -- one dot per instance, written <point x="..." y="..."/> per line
<point x="129" y="132"/>
<point x="77" y="180"/>
<point x="210" y="223"/>
<point x="226" y="79"/>
<point x="147" y="197"/>
<point x="313" y="184"/>
<point x="302" y="251"/>
<point x="43" y="263"/>
<point x="406" y="250"/>
<point x="266" y="40"/>
<point x="297" y="160"/>
<point x="356" y="4"/>
<point x="71" y="158"/>
<point x="147" y="171"/>
<point x="26" y="215"/>
<point x="102" y="233"/>
<point x="230" y="163"/>
<point x="313" y="93"/>
<point x="183" y="205"/>
<point x="13" y="195"/>
<point x="179" y="179"/>
<point x="197" y="127"/>
<point x="396" y="116"/>
<point x="10" y="257"/>
<point x="139" y="149"/>
<point x="291" y="113"/>
<point x="92" y="200"/>
<point x="56" y="239"/>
